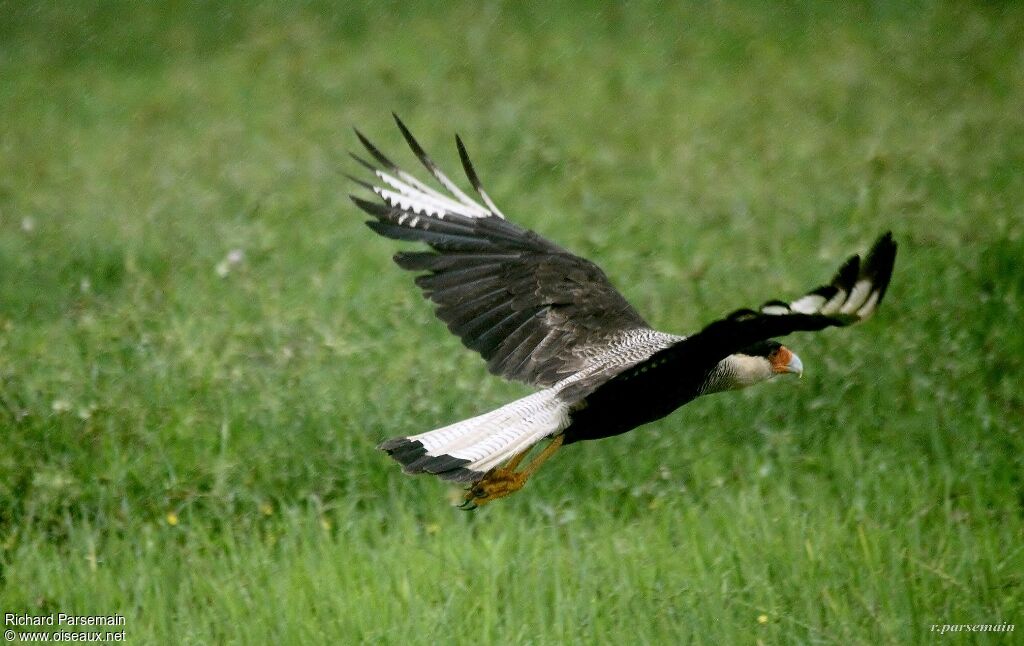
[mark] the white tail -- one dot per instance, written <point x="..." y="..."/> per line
<point x="467" y="450"/>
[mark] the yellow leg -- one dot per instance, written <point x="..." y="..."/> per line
<point x="516" y="459"/>
<point x="542" y="457"/>
<point x="505" y="480"/>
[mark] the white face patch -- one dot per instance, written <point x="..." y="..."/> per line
<point x="746" y="370"/>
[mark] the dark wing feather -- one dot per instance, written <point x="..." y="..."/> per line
<point x="525" y="304"/>
<point x="854" y="293"/>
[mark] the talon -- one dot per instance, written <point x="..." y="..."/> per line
<point x="504" y="481"/>
<point x="496" y="484"/>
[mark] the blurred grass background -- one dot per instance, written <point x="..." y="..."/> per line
<point x="200" y="344"/>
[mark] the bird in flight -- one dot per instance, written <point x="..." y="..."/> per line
<point x="541" y="315"/>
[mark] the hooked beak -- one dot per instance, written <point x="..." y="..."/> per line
<point x="795" y="365"/>
<point x="786" y="361"/>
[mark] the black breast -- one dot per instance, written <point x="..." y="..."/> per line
<point x="642" y="394"/>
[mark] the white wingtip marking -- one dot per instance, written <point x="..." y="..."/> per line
<point x="834" y="303"/>
<point x="467" y="201"/>
<point x="869" y="306"/>
<point x="809" y="304"/>
<point x="490" y="204"/>
<point x="407" y="203"/>
<point x="858" y="294"/>
<point x="424" y="195"/>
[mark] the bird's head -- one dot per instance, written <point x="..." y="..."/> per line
<point x="754" y="364"/>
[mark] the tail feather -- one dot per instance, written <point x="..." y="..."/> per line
<point x="467" y="450"/>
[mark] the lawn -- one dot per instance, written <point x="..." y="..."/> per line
<point x="201" y="344"/>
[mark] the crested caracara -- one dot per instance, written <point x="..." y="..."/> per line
<point x="544" y="316"/>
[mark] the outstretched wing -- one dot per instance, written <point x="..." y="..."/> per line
<point x="853" y="294"/>
<point x="533" y="310"/>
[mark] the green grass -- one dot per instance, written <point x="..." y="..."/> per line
<point x="708" y="157"/>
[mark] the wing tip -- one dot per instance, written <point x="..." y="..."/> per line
<point x="467" y="165"/>
<point x="409" y="139"/>
<point x="362" y="162"/>
<point x="880" y="264"/>
<point x="847" y="274"/>
<point x="375" y="209"/>
<point x="352" y="178"/>
<point x="373" y="150"/>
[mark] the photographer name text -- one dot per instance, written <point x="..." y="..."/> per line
<point x="62" y="619"/>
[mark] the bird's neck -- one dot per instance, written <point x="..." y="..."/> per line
<point x="735" y="372"/>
